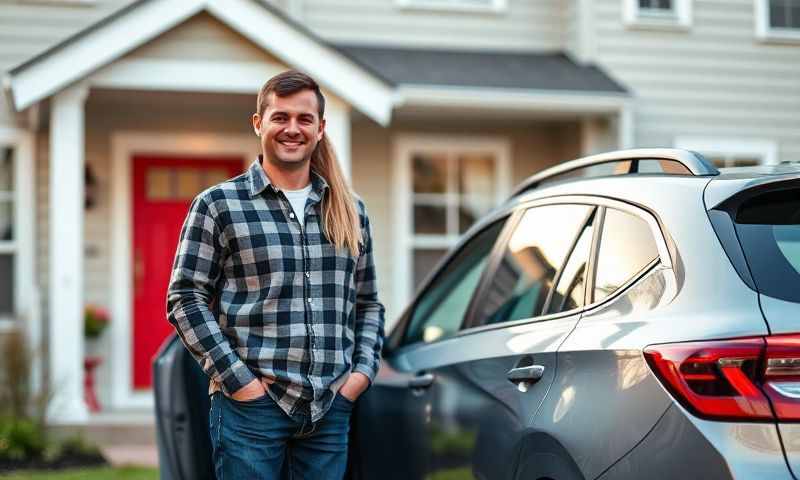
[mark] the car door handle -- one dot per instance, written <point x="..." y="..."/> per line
<point x="421" y="381"/>
<point x="530" y="374"/>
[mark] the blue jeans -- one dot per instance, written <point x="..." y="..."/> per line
<point x="257" y="440"/>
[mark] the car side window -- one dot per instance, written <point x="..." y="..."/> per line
<point x="626" y="247"/>
<point x="440" y="309"/>
<point x="522" y="282"/>
<point x="571" y="288"/>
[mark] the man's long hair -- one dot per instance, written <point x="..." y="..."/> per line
<point x="340" y="220"/>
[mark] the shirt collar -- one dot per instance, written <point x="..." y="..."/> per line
<point x="259" y="181"/>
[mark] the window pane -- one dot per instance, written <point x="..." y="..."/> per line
<point x="7" y="170"/>
<point x="537" y="249"/>
<point x="189" y="183"/>
<point x="440" y="309"/>
<point x="430" y="173"/>
<point x="159" y="184"/>
<point x="626" y="247"/>
<point x="430" y="219"/>
<point x="476" y="175"/>
<point x="6" y="284"/>
<point x="214" y="176"/>
<point x="778" y="13"/>
<point x="6" y="220"/>
<point x="470" y="211"/>
<point x="571" y="287"/>
<point x="424" y="261"/>
<point x="656" y="4"/>
<point x="744" y="162"/>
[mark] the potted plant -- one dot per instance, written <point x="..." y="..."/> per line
<point x="95" y="321"/>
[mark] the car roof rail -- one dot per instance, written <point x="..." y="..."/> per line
<point x="680" y="162"/>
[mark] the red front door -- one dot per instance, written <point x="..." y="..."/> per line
<point x="163" y="189"/>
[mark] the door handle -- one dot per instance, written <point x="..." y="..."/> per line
<point x="524" y="377"/>
<point x="421" y="381"/>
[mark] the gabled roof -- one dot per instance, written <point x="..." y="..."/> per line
<point x="142" y="21"/>
<point x="495" y="69"/>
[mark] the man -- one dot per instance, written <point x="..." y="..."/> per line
<point x="273" y="291"/>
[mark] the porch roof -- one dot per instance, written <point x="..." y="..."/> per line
<point x="484" y="69"/>
<point x="102" y="43"/>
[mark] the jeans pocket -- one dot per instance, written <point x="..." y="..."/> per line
<point x="344" y="401"/>
<point x="254" y="401"/>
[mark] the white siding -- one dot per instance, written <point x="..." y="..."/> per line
<point x="716" y="80"/>
<point x="525" y="24"/>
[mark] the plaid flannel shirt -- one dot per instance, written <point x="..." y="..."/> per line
<point x="254" y="294"/>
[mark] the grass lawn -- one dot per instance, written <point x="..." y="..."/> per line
<point x="128" y="473"/>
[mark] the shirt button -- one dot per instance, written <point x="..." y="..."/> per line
<point x="291" y="215"/>
<point x="309" y="300"/>
<point x="308" y="274"/>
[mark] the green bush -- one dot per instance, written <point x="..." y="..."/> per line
<point x="20" y="439"/>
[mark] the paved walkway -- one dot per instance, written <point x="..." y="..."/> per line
<point x="131" y="455"/>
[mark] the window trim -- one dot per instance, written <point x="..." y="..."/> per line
<point x="22" y="247"/>
<point x="633" y="17"/>
<point x="494" y="6"/>
<point x="766" y="149"/>
<point x="404" y="145"/>
<point x="768" y="34"/>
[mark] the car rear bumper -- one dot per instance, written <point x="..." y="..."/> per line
<point x="684" y="446"/>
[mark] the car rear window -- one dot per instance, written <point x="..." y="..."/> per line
<point x="768" y="226"/>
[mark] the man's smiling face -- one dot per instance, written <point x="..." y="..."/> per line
<point x="290" y="128"/>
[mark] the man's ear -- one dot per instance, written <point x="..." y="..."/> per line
<point x="257" y="124"/>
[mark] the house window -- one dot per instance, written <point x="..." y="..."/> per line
<point x="468" y="5"/>
<point x="778" y="20"/>
<point x="660" y="14"/>
<point x="444" y="186"/>
<point x="8" y="246"/>
<point x="731" y="152"/>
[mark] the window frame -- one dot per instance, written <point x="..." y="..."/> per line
<point x="493" y="6"/>
<point x="769" y="34"/>
<point x="666" y="255"/>
<point x="22" y="246"/>
<point x="765" y="149"/>
<point x="405" y="240"/>
<point x="633" y="16"/>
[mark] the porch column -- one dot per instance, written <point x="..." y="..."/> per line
<point x="66" y="256"/>
<point x="337" y="126"/>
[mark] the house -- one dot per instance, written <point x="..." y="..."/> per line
<point x="119" y="112"/>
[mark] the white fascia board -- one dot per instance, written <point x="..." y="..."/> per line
<point x="185" y="75"/>
<point x="97" y="48"/>
<point x="510" y="99"/>
<point x="329" y="67"/>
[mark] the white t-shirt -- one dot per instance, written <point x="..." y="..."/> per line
<point x="297" y="198"/>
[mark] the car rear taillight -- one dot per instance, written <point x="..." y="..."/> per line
<point x="742" y="379"/>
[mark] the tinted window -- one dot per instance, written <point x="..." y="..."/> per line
<point x="626" y="247"/>
<point x="571" y="287"/>
<point x="769" y="230"/>
<point x="441" y="308"/>
<point x="522" y="281"/>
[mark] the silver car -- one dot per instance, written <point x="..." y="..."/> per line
<point x="626" y="315"/>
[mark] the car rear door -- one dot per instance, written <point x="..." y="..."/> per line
<point x="489" y="380"/>
<point x="182" y="404"/>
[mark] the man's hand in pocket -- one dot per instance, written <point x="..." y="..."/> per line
<point x="253" y="390"/>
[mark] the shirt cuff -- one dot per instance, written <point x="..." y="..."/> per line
<point x="238" y="376"/>
<point x="366" y="370"/>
